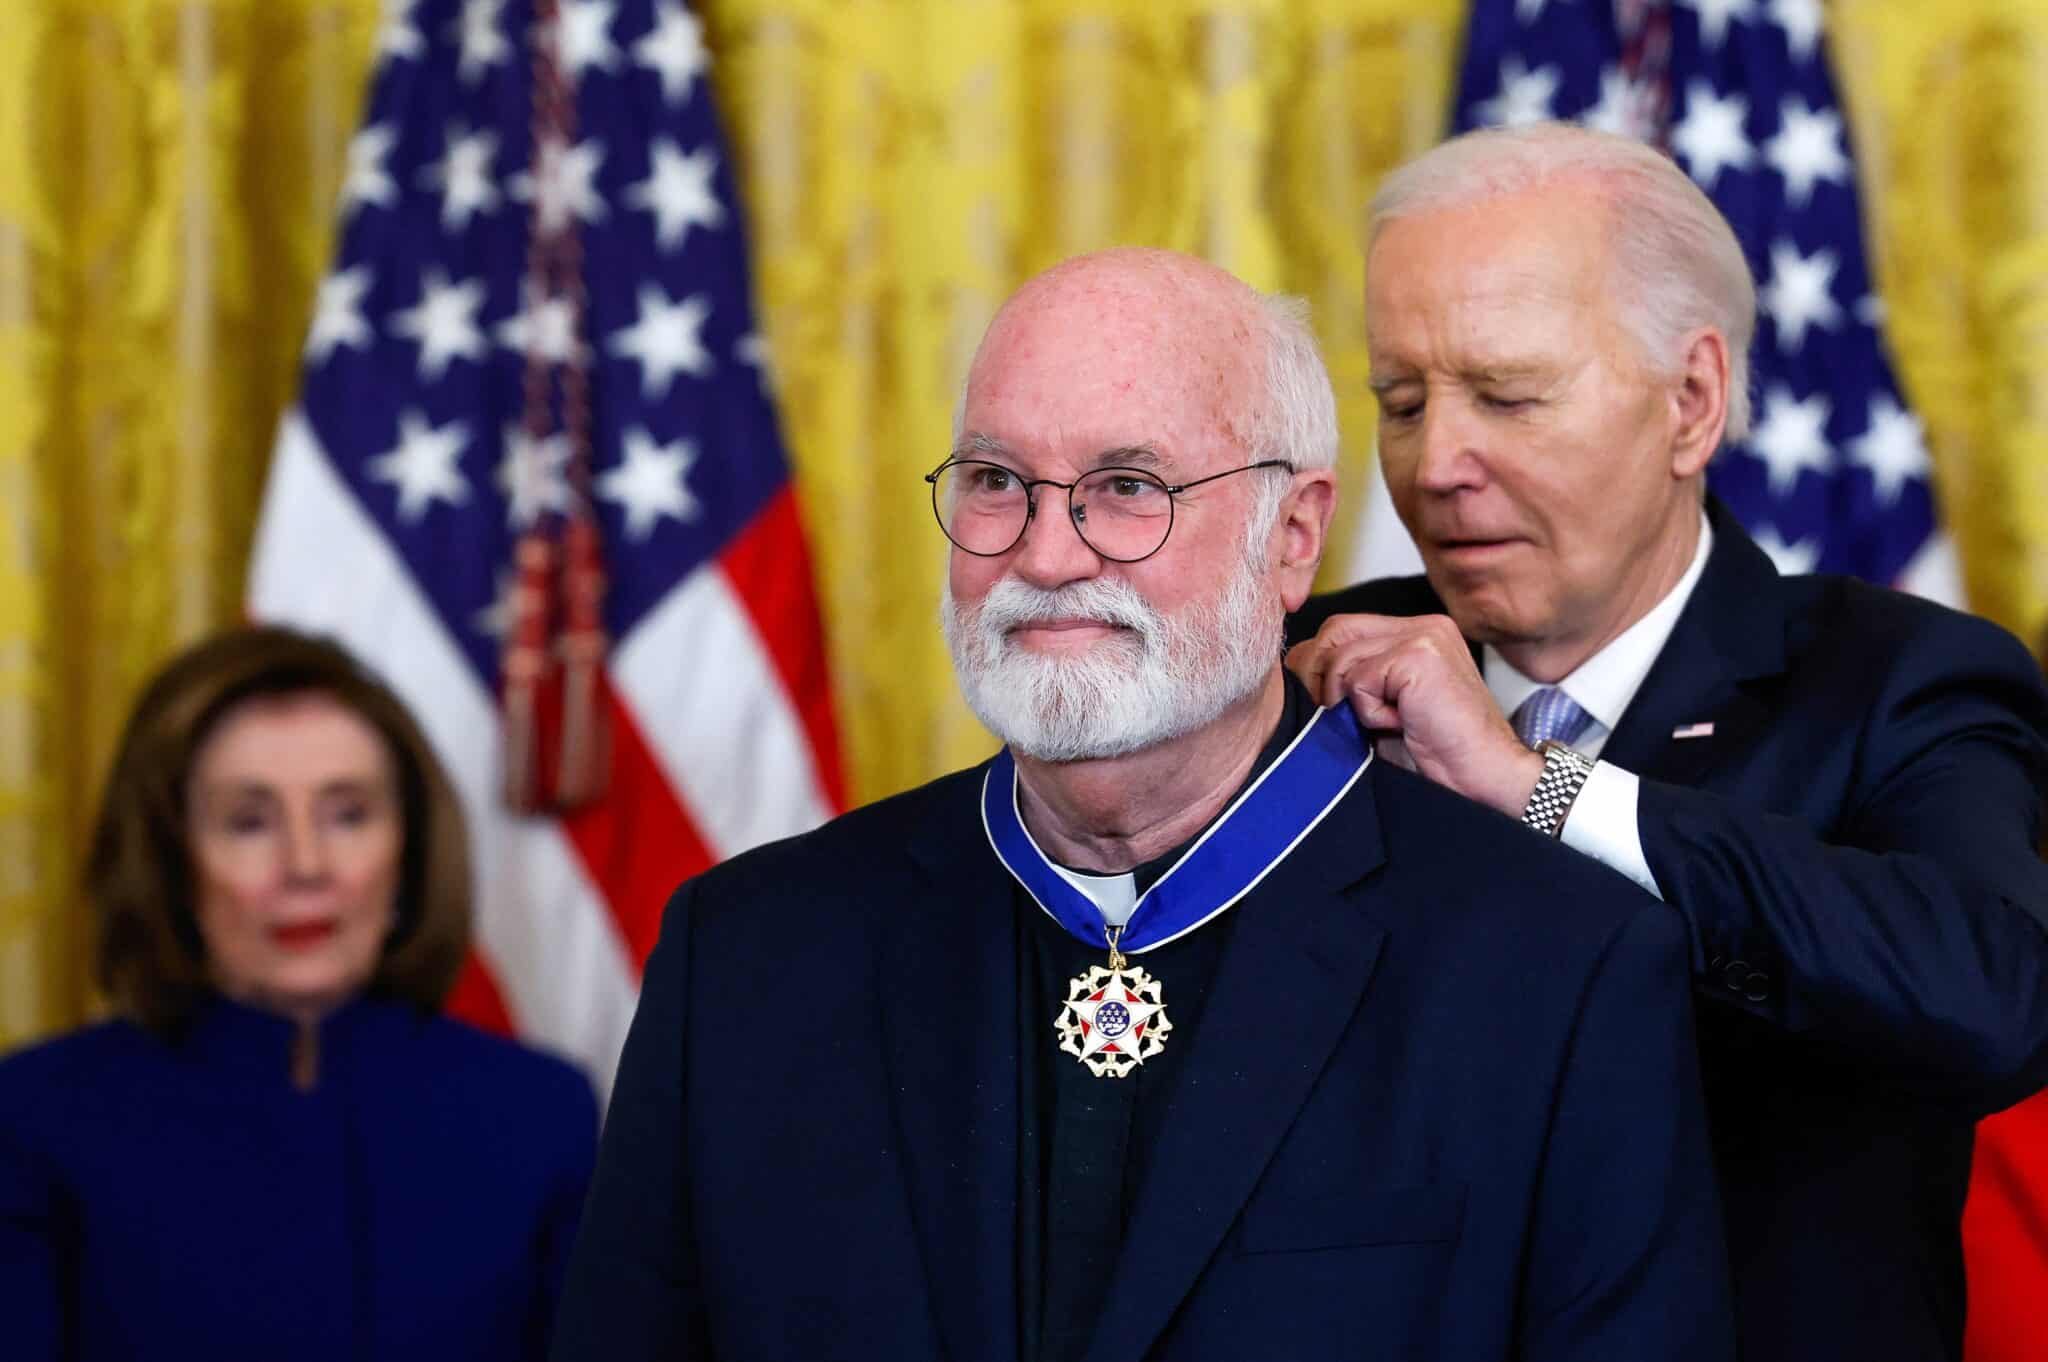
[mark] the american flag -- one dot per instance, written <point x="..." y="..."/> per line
<point x="1834" y="476"/>
<point x="405" y="475"/>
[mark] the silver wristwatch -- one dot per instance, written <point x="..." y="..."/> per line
<point x="1564" y="775"/>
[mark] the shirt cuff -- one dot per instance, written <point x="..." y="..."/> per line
<point x="1602" y="824"/>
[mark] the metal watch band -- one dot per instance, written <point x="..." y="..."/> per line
<point x="1564" y="775"/>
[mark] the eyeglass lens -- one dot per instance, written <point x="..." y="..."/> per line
<point x="1121" y="513"/>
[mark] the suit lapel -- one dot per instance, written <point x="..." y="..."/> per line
<point x="1730" y="635"/>
<point x="1294" y="972"/>
<point x="949" y="1002"/>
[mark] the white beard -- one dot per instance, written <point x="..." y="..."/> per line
<point x="1164" y="678"/>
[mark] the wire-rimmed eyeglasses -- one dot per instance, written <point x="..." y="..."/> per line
<point x="1123" y="514"/>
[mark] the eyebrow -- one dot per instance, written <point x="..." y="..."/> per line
<point x="1506" y="373"/>
<point x="340" y="785"/>
<point x="976" y="445"/>
<point x="1131" y="456"/>
<point x="1477" y="373"/>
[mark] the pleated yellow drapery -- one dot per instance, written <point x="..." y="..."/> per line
<point x="168" y="167"/>
<point x="167" y="172"/>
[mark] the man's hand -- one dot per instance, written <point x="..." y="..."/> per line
<point x="1412" y="684"/>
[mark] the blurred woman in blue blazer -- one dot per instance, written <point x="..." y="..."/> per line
<point x="280" y="1148"/>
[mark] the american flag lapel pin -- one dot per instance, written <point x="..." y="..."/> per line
<point x="1693" y="731"/>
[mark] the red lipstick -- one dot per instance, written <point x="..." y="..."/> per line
<point x="298" y="936"/>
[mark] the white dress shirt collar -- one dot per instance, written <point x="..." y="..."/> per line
<point x="1605" y="683"/>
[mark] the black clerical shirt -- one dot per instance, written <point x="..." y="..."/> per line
<point x="1084" y="1143"/>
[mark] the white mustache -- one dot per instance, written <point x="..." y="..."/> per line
<point x="1011" y="604"/>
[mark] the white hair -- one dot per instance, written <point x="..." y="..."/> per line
<point x="1676" y="264"/>
<point x="1295" y="417"/>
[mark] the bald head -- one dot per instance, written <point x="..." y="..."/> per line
<point x="1139" y="317"/>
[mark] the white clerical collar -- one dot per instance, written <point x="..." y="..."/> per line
<point x="1115" y="895"/>
<point x="1605" y="683"/>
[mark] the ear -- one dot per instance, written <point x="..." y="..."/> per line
<point x="1700" y="403"/>
<point x="1302" y="534"/>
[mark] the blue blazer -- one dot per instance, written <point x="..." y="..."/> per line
<point x="184" y="1201"/>
<point x="1853" y="850"/>
<point x="1442" y="1104"/>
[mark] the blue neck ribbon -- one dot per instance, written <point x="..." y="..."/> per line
<point x="1267" y="820"/>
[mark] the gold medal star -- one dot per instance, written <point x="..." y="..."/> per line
<point x="1113" y="1020"/>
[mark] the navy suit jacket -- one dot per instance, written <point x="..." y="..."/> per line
<point x="1853" y="851"/>
<point x="1442" y="1104"/>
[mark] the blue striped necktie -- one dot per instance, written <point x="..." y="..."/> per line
<point x="1550" y="713"/>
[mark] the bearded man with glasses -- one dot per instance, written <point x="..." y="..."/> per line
<point x="1182" y="1027"/>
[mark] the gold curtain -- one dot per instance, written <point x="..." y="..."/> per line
<point x="167" y="170"/>
<point x="1949" y="106"/>
<point x="166" y="176"/>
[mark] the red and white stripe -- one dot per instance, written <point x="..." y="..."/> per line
<point x="711" y="751"/>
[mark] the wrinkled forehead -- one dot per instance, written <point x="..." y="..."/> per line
<point x="1105" y="359"/>
<point x="1518" y="271"/>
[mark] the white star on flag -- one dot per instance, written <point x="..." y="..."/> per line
<point x="463" y="175"/>
<point x="586" y="37"/>
<point x="1800" y="293"/>
<point x="674" y="48"/>
<point x="752" y="351"/>
<point x="1525" y="96"/>
<point x="565" y="179"/>
<point x="1893" y="449"/>
<point x="494" y="619"/>
<point x="678" y="192"/>
<point x="1790" y="559"/>
<point x="1806" y="149"/>
<point x="338" y="314"/>
<point x="1792" y="437"/>
<point x="651" y="483"/>
<point x="1710" y="136"/>
<point x="1801" y="20"/>
<point x="666" y="340"/>
<point x="1529" y="11"/>
<point x="366" y="180"/>
<point x="443" y="322"/>
<point x="396" y="37"/>
<point x="1715" y="16"/>
<point x="542" y="326"/>
<point x="424" y="465"/>
<point x="484" y="44"/>
<point x="531" y="476"/>
<point x="1624" y="107"/>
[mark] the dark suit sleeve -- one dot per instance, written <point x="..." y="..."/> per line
<point x="1913" y="941"/>
<point x="633" y="1289"/>
<point x="1626" y="1258"/>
